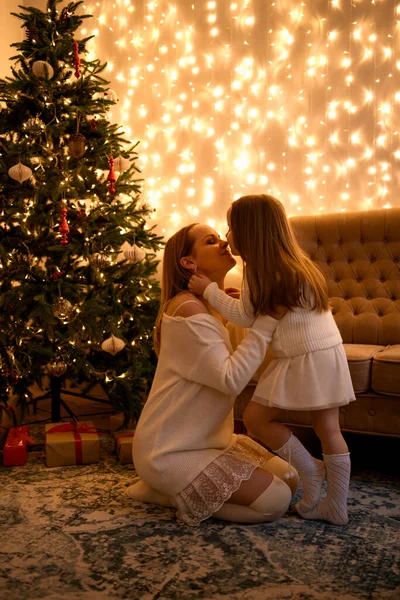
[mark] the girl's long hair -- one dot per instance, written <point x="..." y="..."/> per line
<point x="174" y="277"/>
<point x="277" y="270"/>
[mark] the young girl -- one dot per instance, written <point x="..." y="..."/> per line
<point x="310" y="370"/>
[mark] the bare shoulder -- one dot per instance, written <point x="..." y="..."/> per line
<point x="186" y="305"/>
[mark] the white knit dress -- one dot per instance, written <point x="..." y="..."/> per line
<point x="309" y="370"/>
<point x="184" y="445"/>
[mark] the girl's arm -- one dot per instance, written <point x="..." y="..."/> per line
<point x="237" y="311"/>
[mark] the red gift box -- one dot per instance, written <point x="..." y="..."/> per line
<point x="15" y="450"/>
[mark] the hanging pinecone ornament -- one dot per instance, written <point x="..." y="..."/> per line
<point x="76" y="145"/>
<point x="77" y="60"/>
<point x="113" y="345"/>
<point x="62" y="309"/>
<point x="20" y="172"/>
<point x="100" y="260"/>
<point x="41" y="68"/>
<point x="57" y="367"/>
<point x="111" y="176"/>
<point x="64" y="229"/>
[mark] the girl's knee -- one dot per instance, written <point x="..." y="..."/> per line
<point x="255" y="416"/>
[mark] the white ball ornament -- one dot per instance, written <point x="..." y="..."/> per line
<point x="113" y="345"/>
<point x="41" y="68"/>
<point x="135" y="254"/>
<point x="20" y="172"/>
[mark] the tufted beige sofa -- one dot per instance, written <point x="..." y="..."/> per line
<point x="359" y="254"/>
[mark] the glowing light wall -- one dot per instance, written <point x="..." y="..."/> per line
<point x="297" y="99"/>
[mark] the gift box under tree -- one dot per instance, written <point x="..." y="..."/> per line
<point x="75" y="443"/>
<point x="15" y="449"/>
<point x="123" y="446"/>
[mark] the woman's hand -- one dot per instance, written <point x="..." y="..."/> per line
<point x="232" y="292"/>
<point x="198" y="283"/>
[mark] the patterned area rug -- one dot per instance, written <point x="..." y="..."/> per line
<point x="70" y="533"/>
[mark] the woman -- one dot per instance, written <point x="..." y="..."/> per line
<point x="184" y="448"/>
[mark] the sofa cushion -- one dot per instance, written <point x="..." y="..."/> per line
<point x="359" y="254"/>
<point x="386" y="371"/>
<point x="359" y="357"/>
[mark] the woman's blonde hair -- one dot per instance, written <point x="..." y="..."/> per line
<point x="277" y="270"/>
<point x="174" y="276"/>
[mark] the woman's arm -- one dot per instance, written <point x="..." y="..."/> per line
<point x="203" y="357"/>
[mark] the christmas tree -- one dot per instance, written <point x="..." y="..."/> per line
<point x="78" y="298"/>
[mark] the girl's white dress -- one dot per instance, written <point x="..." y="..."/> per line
<point x="184" y="445"/>
<point x="309" y="370"/>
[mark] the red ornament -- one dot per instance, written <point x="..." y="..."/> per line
<point x="111" y="176"/>
<point x="57" y="275"/>
<point x="93" y="124"/>
<point x="64" y="229"/>
<point x="77" y="60"/>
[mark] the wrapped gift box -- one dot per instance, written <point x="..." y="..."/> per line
<point x="75" y="443"/>
<point x="10" y="416"/>
<point x="117" y="421"/>
<point x="123" y="446"/>
<point x="15" y="449"/>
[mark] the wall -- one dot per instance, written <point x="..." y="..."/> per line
<point x="10" y="32"/>
<point x="299" y="100"/>
<point x="228" y="98"/>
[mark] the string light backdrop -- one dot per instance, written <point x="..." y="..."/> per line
<point x="299" y="100"/>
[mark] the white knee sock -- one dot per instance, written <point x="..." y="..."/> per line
<point x="269" y="506"/>
<point x="144" y="493"/>
<point x="274" y="501"/>
<point x="333" y="508"/>
<point x="236" y="513"/>
<point x="312" y="471"/>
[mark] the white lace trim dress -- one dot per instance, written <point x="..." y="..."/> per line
<point x="184" y="445"/>
<point x="309" y="370"/>
<point x="217" y="482"/>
